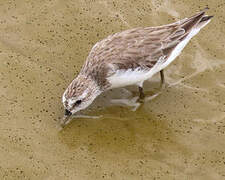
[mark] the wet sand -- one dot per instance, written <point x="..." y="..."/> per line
<point x="177" y="135"/>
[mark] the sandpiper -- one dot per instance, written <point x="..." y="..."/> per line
<point x="129" y="58"/>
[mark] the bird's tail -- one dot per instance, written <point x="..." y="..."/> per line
<point x="197" y="21"/>
<point x="204" y="21"/>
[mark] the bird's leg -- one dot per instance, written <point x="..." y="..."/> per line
<point x="162" y="79"/>
<point x="141" y="93"/>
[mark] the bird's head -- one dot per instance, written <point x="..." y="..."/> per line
<point x="79" y="95"/>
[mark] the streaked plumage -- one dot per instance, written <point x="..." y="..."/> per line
<point x="130" y="57"/>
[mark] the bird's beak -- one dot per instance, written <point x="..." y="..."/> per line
<point x="64" y="121"/>
<point x="66" y="118"/>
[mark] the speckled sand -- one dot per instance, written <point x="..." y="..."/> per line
<point x="178" y="135"/>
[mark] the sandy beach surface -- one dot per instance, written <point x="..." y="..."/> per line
<point x="178" y="135"/>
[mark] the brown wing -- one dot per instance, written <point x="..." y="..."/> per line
<point x="140" y="47"/>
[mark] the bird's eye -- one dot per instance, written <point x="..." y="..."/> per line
<point x="78" y="102"/>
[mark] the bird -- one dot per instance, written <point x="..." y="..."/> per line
<point x="129" y="58"/>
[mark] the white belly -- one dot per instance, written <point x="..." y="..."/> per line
<point x="125" y="78"/>
<point x="130" y="77"/>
